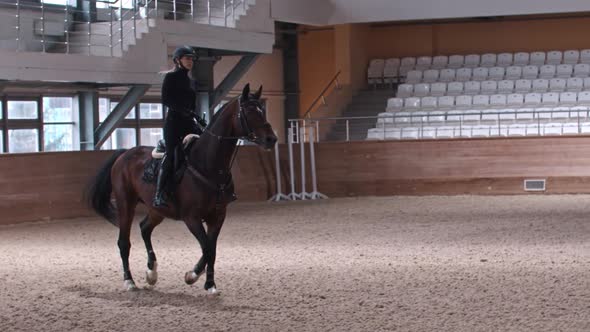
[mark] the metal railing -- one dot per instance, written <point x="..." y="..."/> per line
<point x="102" y="31"/>
<point x="322" y="95"/>
<point x="453" y="124"/>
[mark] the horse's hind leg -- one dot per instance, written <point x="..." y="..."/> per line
<point x="126" y="209"/>
<point x="147" y="226"/>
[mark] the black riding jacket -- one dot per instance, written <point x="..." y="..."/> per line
<point x="178" y="93"/>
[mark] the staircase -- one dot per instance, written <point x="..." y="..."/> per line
<point x="365" y="103"/>
<point x="113" y="30"/>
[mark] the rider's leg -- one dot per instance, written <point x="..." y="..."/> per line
<point x="163" y="176"/>
<point x="171" y="139"/>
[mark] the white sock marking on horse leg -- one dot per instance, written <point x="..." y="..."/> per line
<point x="151" y="276"/>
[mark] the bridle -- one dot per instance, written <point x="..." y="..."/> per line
<point x="243" y="120"/>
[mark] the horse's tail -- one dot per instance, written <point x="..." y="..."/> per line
<point x="98" y="194"/>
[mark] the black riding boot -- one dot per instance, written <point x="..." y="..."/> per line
<point x="159" y="200"/>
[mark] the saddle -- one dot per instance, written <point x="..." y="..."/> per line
<point x="225" y="193"/>
<point x="160" y="149"/>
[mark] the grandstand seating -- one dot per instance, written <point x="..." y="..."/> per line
<point x="485" y="95"/>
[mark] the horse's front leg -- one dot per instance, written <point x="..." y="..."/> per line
<point x="214" y="224"/>
<point x="195" y="226"/>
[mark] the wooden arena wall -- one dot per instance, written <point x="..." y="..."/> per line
<point x="45" y="186"/>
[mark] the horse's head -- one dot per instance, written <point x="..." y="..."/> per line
<point x="252" y="120"/>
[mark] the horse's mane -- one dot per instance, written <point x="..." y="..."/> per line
<point x="217" y="114"/>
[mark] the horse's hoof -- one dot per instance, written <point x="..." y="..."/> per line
<point x="151" y="276"/>
<point x="212" y="292"/>
<point x="191" y="277"/>
<point x="129" y="285"/>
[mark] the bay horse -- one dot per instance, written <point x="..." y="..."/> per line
<point x="200" y="197"/>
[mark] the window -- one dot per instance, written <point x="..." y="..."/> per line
<point x="59" y="121"/>
<point x="55" y="2"/>
<point x="142" y="126"/>
<point x="103" y="111"/>
<point x="23" y="140"/>
<point x="130" y="115"/>
<point x="150" y="111"/>
<point x="121" y="138"/>
<point x="150" y="136"/>
<point x="22" y="109"/>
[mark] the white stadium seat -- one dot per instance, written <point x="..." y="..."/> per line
<point x="423" y="63"/>
<point x="481" y="101"/>
<point x="394" y="104"/>
<point x="455" y="88"/>
<point x="550" y="99"/>
<point x="525" y="113"/>
<point x="513" y="73"/>
<point x="568" y="98"/>
<point x="489" y="87"/>
<point x="554" y="57"/>
<point x="488" y="60"/>
<point x="557" y="84"/>
<point x="530" y="72"/>
<point x="571" y="57"/>
<point x="564" y="71"/>
<point x="570" y="129"/>
<point x="532" y="99"/>
<point x="456" y="61"/>
<point x="574" y="84"/>
<point x="584" y="98"/>
<point x="446" y="102"/>
<point x="582" y="70"/>
<point x="547" y="71"/>
<point x="421" y="89"/>
<point x="412" y="103"/>
<point x="408" y="62"/>
<point x="430" y="76"/>
<point x="436" y="116"/>
<point x="516" y="129"/>
<point x="540" y="85"/>
<point x="428" y="103"/>
<point x="533" y="129"/>
<point x="496" y="73"/>
<point x="537" y="58"/>
<point x="438" y="89"/>
<point x="522" y="86"/>
<point x="515" y="99"/>
<point x="405" y="90"/>
<point x="585" y="56"/>
<point x="410" y="133"/>
<point x="390" y="72"/>
<point x="480" y="74"/>
<point x="463" y="101"/>
<point x="504" y="59"/>
<point x="521" y="59"/>
<point x="463" y="74"/>
<point x="375" y="71"/>
<point x="480" y="131"/>
<point x="472" y="88"/>
<point x="472" y="60"/>
<point x="445" y="132"/>
<point x="506" y="86"/>
<point x="440" y="62"/>
<point x="414" y="76"/>
<point x="498" y="101"/>
<point x="447" y="75"/>
<point x="428" y="132"/>
<point x="552" y="129"/>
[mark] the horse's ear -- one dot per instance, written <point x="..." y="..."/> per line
<point x="246" y="92"/>
<point x="258" y="93"/>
